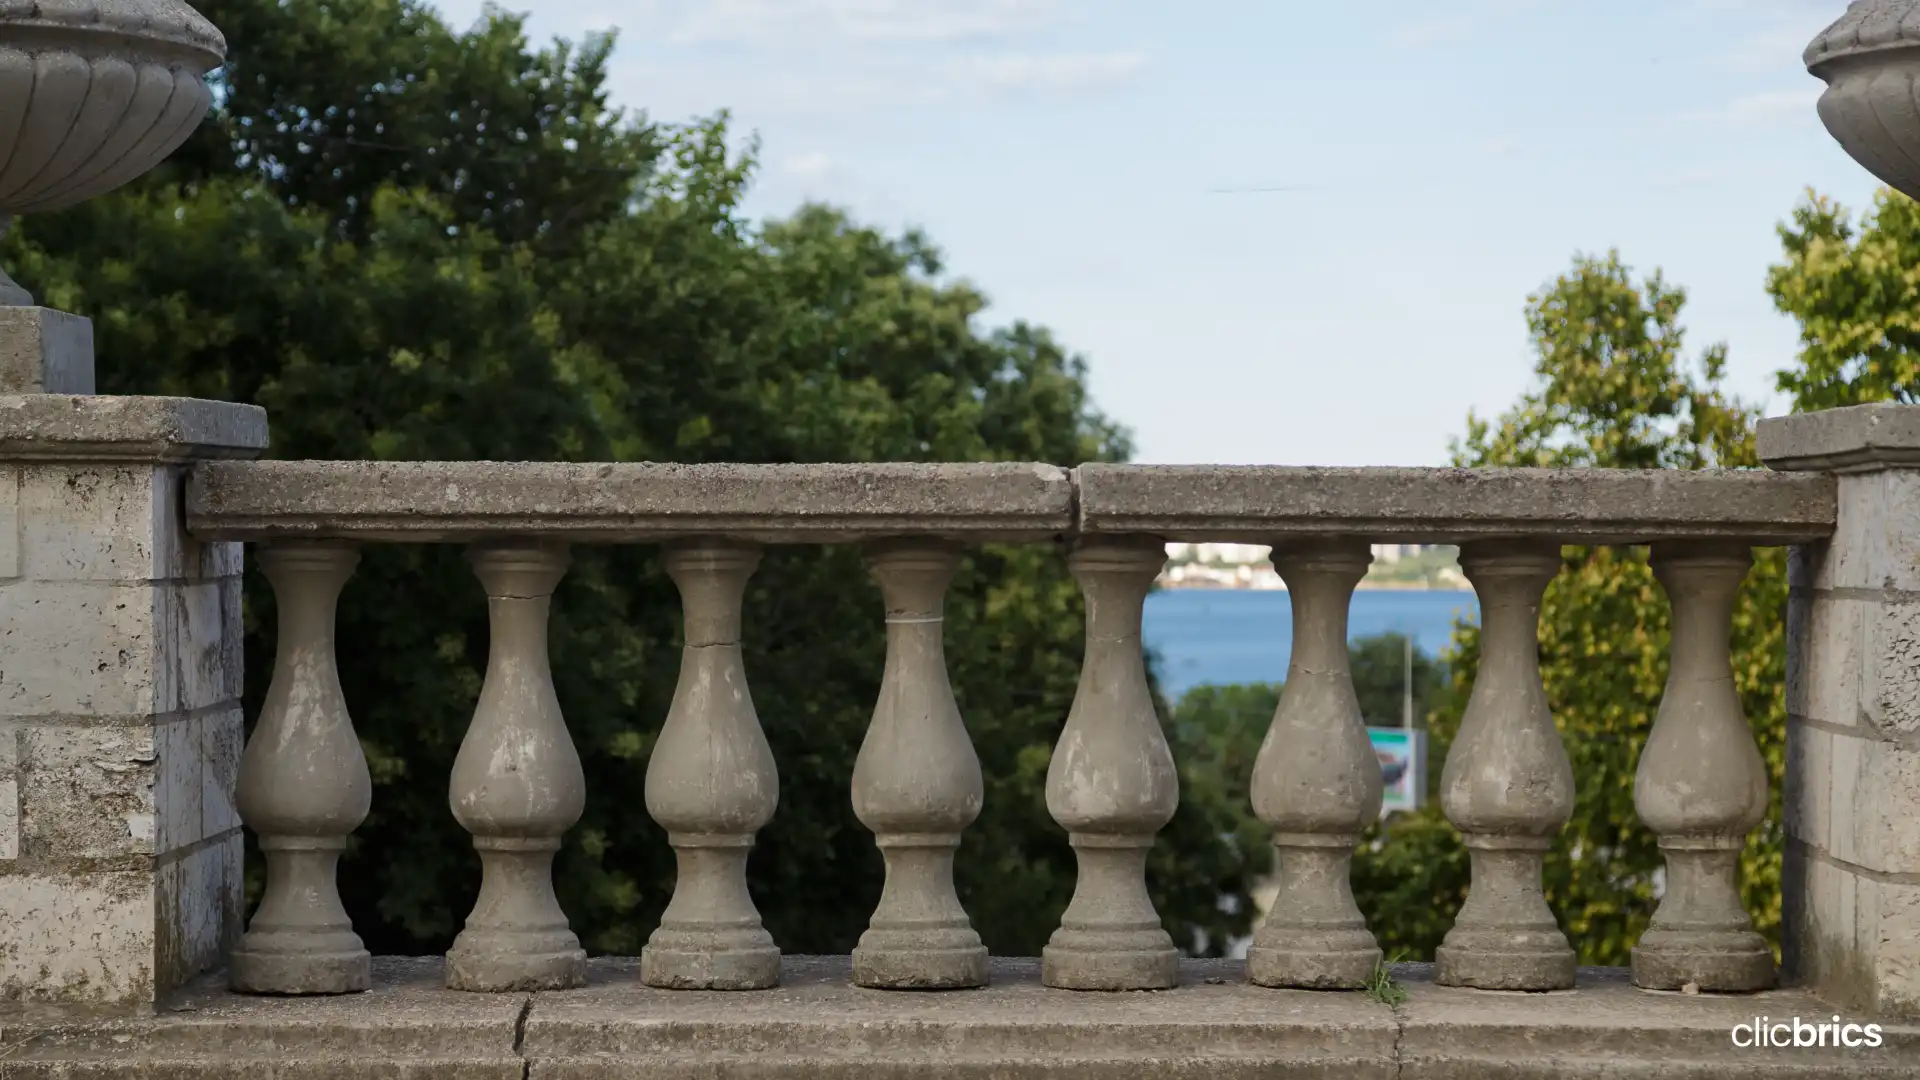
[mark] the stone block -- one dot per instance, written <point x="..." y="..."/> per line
<point x="9" y="792"/>
<point x="1824" y="665"/>
<point x="1843" y="781"/>
<point x="77" y="937"/>
<point x="1896" y="944"/>
<point x="1885" y="806"/>
<point x="1807" y="794"/>
<point x="198" y="909"/>
<point x="89" y="650"/>
<point x="88" y="791"/>
<point x="222" y="738"/>
<point x="179" y="788"/>
<point x="67" y="428"/>
<point x="1860" y="437"/>
<point x="12" y="524"/>
<point x="113" y="523"/>
<point x="1807" y="565"/>
<point x="1890" y="656"/>
<point x="44" y="351"/>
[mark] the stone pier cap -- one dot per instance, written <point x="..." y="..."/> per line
<point x="441" y="502"/>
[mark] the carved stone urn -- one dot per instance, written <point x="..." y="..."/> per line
<point x="93" y="93"/>
<point x="1870" y="61"/>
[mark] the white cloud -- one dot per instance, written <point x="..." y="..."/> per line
<point x="808" y="166"/>
<point x="1763" y="107"/>
<point x="1051" y="72"/>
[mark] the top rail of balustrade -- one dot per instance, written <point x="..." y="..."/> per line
<point x="998" y="502"/>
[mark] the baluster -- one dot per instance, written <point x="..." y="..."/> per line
<point x="712" y="784"/>
<point x="1507" y="785"/>
<point x="1317" y="783"/>
<point x="1701" y="786"/>
<point x="517" y="786"/>
<point x="303" y="788"/>
<point x="917" y="786"/>
<point x="1112" y="785"/>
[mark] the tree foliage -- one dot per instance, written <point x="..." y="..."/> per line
<point x="1855" y="291"/>
<point x="408" y="242"/>
<point x="1616" y="390"/>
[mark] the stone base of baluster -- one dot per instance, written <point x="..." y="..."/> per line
<point x="494" y="963"/>
<point x="1309" y="958"/>
<point x="1505" y="959"/>
<point x="683" y="959"/>
<point x="1723" y="961"/>
<point x="276" y="964"/>
<point x="945" y="959"/>
<point x="1111" y="958"/>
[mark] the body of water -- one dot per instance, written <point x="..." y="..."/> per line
<point x="1224" y="636"/>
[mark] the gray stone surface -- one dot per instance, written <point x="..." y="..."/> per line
<point x="120" y="725"/>
<point x="1261" y="504"/>
<point x="70" y="428"/>
<point x="1870" y="58"/>
<point x="818" y="1025"/>
<point x="445" y="501"/>
<point x="1841" y="440"/>
<point x="43" y="351"/>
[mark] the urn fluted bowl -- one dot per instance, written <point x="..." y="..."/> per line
<point x="1870" y="61"/>
<point x="94" y="93"/>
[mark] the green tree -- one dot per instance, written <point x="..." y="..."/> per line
<point x="413" y="243"/>
<point x="1615" y="391"/>
<point x="1855" y="291"/>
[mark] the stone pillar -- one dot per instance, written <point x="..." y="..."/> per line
<point x="917" y="785"/>
<point x="120" y="722"/>
<point x="1852" y="874"/>
<point x="517" y="786"/>
<point x="1316" y="783"/>
<point x="1701" y="786"/>
<point x="1507" y="784"/>
<point x="712" y="784"/>
<point x="1112" y="785"/>
<point x="304" y="788"/>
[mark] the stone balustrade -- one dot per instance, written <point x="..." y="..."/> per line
<point x="712" y="783"/>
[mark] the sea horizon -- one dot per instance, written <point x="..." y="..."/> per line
<point x="1199" y="636"/>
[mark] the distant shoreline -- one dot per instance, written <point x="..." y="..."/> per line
<point x="1364" y="586"/>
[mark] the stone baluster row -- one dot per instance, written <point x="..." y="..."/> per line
<point x="517" y="785"/>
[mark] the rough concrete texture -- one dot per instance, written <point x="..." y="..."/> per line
<point x="1260" y="504"/>
<point x="818" y="1025"/>
<point x="917" y="785"/>
<point x="1507" y="785"/>
<point x="72" y="428"/>
<point x="1112" y="784"/>
<point x="1316" y="783"/>
<point x="517" y="786"/>
<point x="43" y="351"/>
<point x="1701" y="786"/>
<point x="711" y="783"/>
<point x="1871" y="437"/>
<point x="444" y="501"/>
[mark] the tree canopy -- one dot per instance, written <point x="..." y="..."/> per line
<point x="408" y="242"/>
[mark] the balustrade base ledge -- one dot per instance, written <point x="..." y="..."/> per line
<point x="816" y="1024"/>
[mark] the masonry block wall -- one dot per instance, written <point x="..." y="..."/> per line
<point x="1852" y="888"/>
<point x="120" y="680"/>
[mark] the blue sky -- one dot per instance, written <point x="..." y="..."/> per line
<point x="1087" y="164"/>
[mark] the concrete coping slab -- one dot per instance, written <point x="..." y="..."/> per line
<point x="1854" y="439"/>
<point x="799" y="504"/>
<point x="472" y="500"/>
<point x="816" y="1024"/>
<point x="83" y="428"/>
<point x="1262" y="504"/>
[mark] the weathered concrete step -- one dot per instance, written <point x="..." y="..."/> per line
<point x="817" y="1025"/>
